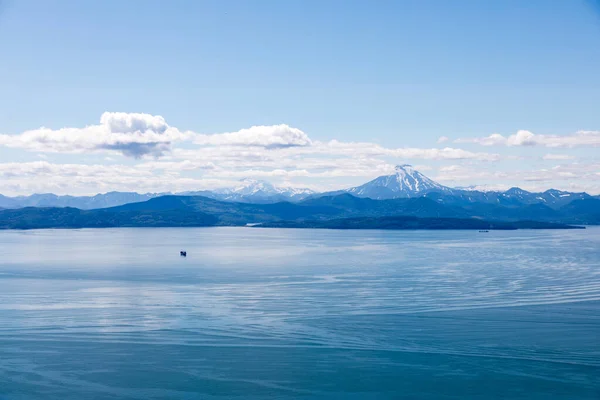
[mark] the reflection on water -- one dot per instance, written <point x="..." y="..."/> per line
<point x="260" y="313"/>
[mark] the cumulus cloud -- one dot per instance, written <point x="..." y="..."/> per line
<point x="527" y="138"/>
<point x="136" y="135"/>
<point x="443" y="139"/>
<point x="274" y="136"/>
<point x="120" y="122"/>
<point x="133" y="135"/>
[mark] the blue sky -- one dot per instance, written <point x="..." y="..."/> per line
<point x="390" y="75"/>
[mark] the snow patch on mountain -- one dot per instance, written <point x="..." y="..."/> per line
<point x="257" y="190"/>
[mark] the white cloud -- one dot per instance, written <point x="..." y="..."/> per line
<point x="47" y="169"/>
<point x="574" y="177"/>
<point x="422" y="167"/>
<point x="371" y="149"/>
<point x="450" y="168"/>
<point x="494" y="139"/>
<point x="120" y="122"/>
<point x="82" y="179"/>
<point x="527" y="138"/>
<point x="185" y="165"/>
<point x="272" y="137"/>
<point x="443" y="139"/>
<point x="133" y="135"/>
<point x="557" y="157"/>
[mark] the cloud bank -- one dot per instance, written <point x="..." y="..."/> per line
<point x="527" y="138"/>
<point x="137" y="135"/>
<point x="142" y="152"/>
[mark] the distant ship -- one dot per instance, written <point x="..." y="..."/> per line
<point x="483" y="231"/>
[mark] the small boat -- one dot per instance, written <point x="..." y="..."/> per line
<point x="183" y="253"/>
<point x="483" y="231"/>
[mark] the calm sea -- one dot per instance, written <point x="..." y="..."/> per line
<point x="287" y="314"/>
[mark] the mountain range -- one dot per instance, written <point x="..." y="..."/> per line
<point x="255" y="191"/>
<point x="248" y="191"/>
<point x="104" y="200"/>
<point x="406" y="193"/>
<point x="406" y="182"/>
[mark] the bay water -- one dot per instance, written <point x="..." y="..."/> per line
<point x="256" y="313"/>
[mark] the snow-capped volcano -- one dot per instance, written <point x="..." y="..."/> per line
<point x="249" y="186"/>
<point x="252" y="190"/>
<point x="406" y="182"/>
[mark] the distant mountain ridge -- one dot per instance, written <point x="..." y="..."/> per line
<point x="406" y="182"/>
<point x="104" y="200"/>
<point x="512" y="197"/>
<point x="248" y="191"/>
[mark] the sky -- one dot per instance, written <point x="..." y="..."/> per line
<point x="157" y="96"/>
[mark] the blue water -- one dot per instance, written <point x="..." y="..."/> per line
<point x="261" y="314"/>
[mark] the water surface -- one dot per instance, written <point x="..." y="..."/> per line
<point x="266" y="313"/>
